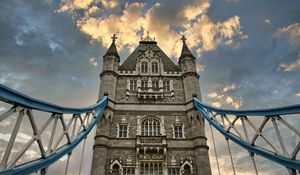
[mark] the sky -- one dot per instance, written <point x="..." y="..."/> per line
<point x="248" y="52"/>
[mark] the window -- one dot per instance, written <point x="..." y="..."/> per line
<point x="151" y="168"/>
<point x="132" y="85"/>
<point x="155" y="85"/>
<point x="178" y="133"/>
<point x="150" y="127"/>
<point x="116" y="169"/>
<point x="167" y="85"/>
<point x="123" y="131"/>
<point x="128" y="171"/>
<point x="154" y="67"/>
<point x="173" y="171"/>
<point x="144" y="84"/>
<point x="187" y="170"/>
<point x="144" y="67"/>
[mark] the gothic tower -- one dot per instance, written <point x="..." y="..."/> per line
<point x="150" y="125"/>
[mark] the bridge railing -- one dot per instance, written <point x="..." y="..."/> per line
<point x="261" y="132"/>
<point x="55" y="131"/>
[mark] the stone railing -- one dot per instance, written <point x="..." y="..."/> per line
<point x="151" y="140"/>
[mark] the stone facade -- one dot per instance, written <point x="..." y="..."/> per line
<point x="150" y="125"/>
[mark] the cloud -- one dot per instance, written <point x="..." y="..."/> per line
<point x="110" y="3"/>
<point x="292" y="66"/>
<point x="297" y="94"/>
<point x="93" y="61"/>
<point x="21" y="137"/>
<point x="200" y="68"/>
<point x="229" y="88"/>
<point x="69" y="5"/>
<point x="216" y="104"/>
<point x="215" y="95"/>
<point x="13" y="80"/>
<point x="292" y="32"/>
<point x="164" y="22"/>
<point x="267" y="21"/>
<point x="93" y="10"/>
<point x="223" y="96"/>
<point x="101" y="29"/>
<point x="210" y="35"/>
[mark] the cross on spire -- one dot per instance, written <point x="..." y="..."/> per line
<point x="183" y="38"/>
<point x="114" y="38"/>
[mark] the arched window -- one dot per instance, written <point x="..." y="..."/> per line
<point x="116" y="169"/>
<point x="187" y="170"/>
<point x="150" y="127"/>
<point x="154" y="67"/>
<point x="144" y="67"/>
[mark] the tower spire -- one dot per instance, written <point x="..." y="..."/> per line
<point x="185" y="51"/>
<point x="112" y="50"/>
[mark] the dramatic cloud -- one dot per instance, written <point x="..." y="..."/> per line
<point x="53" y="45"/>
<point x="192" y="20"/>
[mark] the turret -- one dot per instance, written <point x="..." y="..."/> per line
<point x="187" y="64"/>
<point x="108" y="76"/>
<point x="186" y="59"/>
<point x="111" y="59"/>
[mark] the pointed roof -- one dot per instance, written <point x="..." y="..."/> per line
<point x="112" y="50"/>
<point x="185" y="50"/>
<point x="130" y="63"/>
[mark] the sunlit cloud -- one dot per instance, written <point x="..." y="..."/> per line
<point x="292" y="66"/>
<point x="67" y="5"/>
<point x="297" y="94"/>
<point x="236" y="104"/>
<point x="229" y="87"/>
<point x="110" y="3"/>
<point x="215" y="95"/>
<point x="216" y="104"/>
<point x="292" y="32"/>
<point x="203" y="33"/>
<point x="222" y="97"/>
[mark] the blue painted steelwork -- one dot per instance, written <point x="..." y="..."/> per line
<point x="289" y="163"/>
<point x="293" y="109"/>
<point x="15" y="98"/>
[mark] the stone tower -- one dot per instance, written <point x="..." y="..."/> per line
<point x="150" y="125"/>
